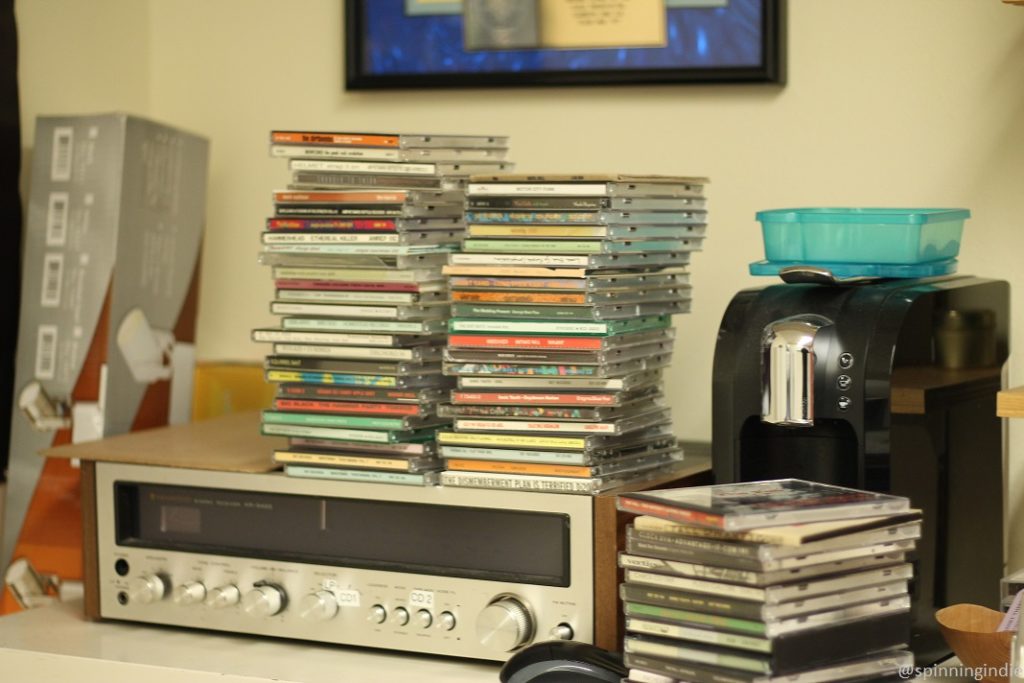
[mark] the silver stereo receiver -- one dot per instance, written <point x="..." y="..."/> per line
<point x="452" y="571"/>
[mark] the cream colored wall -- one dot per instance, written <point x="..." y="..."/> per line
<point x="81" y="58"/>
<point x="914" y="103"/>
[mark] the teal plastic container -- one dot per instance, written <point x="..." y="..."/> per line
<point x="861" y="270"/>
<point x="860" y="235"/>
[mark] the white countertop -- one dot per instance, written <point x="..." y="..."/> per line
<point x="57" y="645"/>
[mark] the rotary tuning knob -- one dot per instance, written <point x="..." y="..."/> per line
<point x="504" y="625"/>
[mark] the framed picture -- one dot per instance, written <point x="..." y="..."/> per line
<point x="466" y="43"/>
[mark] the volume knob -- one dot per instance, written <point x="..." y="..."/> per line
<point x="264" y="600"/>
<point x="504" y="625"/>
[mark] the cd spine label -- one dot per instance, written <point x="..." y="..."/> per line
<point x="551" y="260"/>
<point x="355" y="224"/>
<point x="481" y="341"/>
<point x="295" y="137"/>
<point x="535" y="203"/>
<point x="362" y="167"/>
<point x="325" y="152"/>
<point x="470" y="325"/>
<point x="347" y="352"/>
<point x="518" y="398"/>
<point x="338" y="460"/>
<point x="299" y="405"/>
<point x="381" y="477"/>
<point x="330" y="378"/>
<point x="348" y="393"/>
<point x="540" y="189"/>
<point x="531" y="426"/>
<point x="513" y="440"/>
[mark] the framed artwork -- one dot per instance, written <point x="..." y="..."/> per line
<point x="466" y="43"/>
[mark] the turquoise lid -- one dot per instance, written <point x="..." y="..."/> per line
<point x="884" y="216"/>
<point x="879" y="270"/>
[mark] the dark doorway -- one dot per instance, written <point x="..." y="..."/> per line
<point x="10" y="220"/>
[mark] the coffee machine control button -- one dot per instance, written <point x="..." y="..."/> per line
<point x="844" y="402"/>
<point x="846" y="360"/>
<point x="844" y="382"/>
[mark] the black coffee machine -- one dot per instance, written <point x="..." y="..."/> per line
<point x="889" y="386"/>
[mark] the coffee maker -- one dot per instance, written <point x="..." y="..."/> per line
<point x="885" y="385"/>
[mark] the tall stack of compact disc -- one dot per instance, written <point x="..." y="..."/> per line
<point x="356" y="243"/>
<point x="562" y="305"/>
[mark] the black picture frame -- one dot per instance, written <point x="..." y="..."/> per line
<point x="769" y="70"/>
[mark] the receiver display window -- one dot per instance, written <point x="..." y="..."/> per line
<point x="468" y="542"/>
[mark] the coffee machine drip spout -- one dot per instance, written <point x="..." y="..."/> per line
<point x="787" y="370"/>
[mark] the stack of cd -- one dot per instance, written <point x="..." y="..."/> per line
<point x="562" y="300"/>
<point x="356" y="243"/>
<point x="767" y="581"/>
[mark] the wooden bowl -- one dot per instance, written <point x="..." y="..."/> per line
<point x="970" y="630"/>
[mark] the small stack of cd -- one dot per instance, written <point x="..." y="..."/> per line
<point x="767" y="581"/>
<point x="356" y="243"/>
<point x="562" y="298"/>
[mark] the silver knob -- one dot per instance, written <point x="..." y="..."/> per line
<point x="504" y="625"/>
<point x="191" y="593"/>
<point x="446" y="621"/>
<point x="319" y="606"/>
<point x="424" y="619"/>
<point x="146" y="589"/>
<point x="223" y="596"/>
<point x="400" y="616"/>
<point x="378" y="614"/>
<point x="264" y="600"/>
<point x="561" y="632"/>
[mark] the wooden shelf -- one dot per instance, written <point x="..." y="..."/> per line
<point x="1010" y="402"/>
<point x="915" y="388"/>
<point x="231" y="443"/>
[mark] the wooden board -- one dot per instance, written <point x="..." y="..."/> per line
<point x="231" y="443"/>
<point x="90" y="543"/>
<point x="1010" y="402"/>
<point x="913" y="388"/>
<point x="610" y="539"/>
